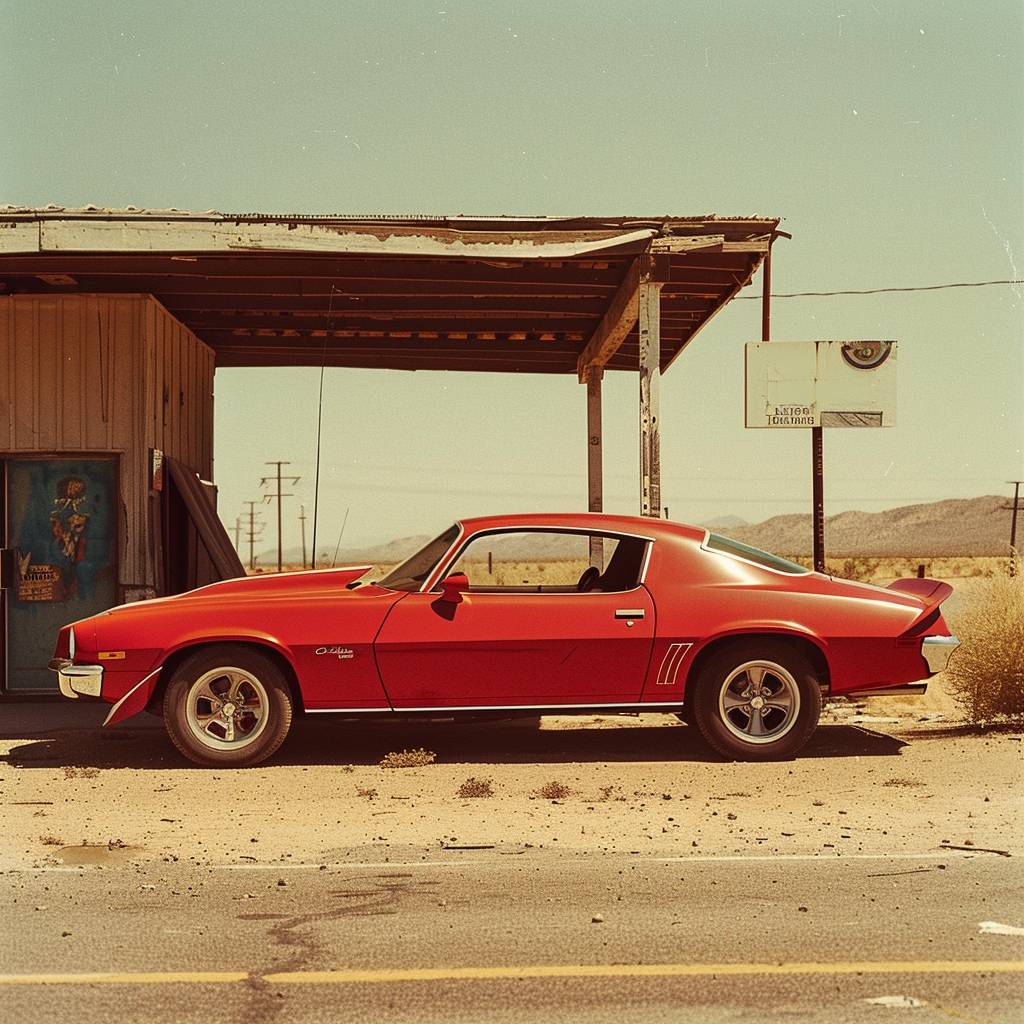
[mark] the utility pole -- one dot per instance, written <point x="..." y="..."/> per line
<point x="253" y="532"/>
<point x="238" y="532"/>
<point x="302" y="526"/>
<point x="278" y="494"/>
<point x="1013" y="524"/>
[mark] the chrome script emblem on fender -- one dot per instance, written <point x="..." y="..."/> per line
<point x="341" y="652"/>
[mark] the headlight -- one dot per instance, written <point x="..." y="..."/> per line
<point x="71" y="644"/>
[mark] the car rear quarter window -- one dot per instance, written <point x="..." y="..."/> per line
<point x="737" y="549"/>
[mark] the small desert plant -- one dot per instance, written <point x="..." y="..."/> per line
<point x="408" y="758"/>
<point x="49" y="840"/>
<point x="986" y="673"/>
<point x="474" y="787"/>
<point x="903" y="783"/>
<point x="554" y="790"/>
<point x="369" y="794"/>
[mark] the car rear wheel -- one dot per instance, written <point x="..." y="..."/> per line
<point x="757" y="701"/>
<point x="228" y="706"/>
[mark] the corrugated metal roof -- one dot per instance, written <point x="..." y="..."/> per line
<point x="410" y="292"/>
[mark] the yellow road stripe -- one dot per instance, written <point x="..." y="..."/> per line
<point x="142" y="978"/>
<point x="370" y="977"/>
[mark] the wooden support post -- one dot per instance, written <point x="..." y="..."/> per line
<point x="818" y="497"/>
<point x="595" y="467"/>
<point x="650" y="397"/>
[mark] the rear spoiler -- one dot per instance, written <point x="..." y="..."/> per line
<point x="932" y="592"/>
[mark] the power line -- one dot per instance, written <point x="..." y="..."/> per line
<point x="881" y="291"/>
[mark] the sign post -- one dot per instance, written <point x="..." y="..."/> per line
<point x="818" y="384"/>
<point x="818" y="497"/>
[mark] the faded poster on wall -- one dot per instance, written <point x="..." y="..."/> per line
<point x="62" y="524"/>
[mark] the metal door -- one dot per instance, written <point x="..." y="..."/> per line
<point x="60" y="523"/>
<point x="516" y="650"/>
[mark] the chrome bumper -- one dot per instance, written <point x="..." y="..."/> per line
<point x="78" y="680"/>
<point x="936" y="651"/>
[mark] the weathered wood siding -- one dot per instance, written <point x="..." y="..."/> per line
<point x="178" y="391"/>
<point x="114" y="374"/>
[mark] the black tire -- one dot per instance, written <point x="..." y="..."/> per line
<point x="211" y="729"/>
<point x="730" y="719"/>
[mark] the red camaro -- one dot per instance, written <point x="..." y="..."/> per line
<point x="515" y="614"/>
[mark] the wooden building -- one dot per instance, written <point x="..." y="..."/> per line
<point x="96" y="393"/>
<point x="112" y="321"/>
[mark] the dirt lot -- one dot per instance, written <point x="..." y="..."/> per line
<point x="883" y="775"/>
<point x="647" y="784"/>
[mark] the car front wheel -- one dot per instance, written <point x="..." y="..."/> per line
<point x="757" y="701"/>
<point x="228" y="706"/>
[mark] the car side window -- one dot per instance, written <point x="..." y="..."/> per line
<point x="542" y="561"/>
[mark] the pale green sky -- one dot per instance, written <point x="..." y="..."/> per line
<point x="889" y="136"/>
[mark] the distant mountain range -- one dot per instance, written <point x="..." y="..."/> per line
<point x="959" y="526"/>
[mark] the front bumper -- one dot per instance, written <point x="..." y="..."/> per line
<point x="78" y="680"/>
<point x="937" y="650"/>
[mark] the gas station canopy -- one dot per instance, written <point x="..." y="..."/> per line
<point x="509" y="294"/>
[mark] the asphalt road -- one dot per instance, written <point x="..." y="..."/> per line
<point x="474" y="935"/>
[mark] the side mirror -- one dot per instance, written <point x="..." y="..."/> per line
<point x="454" y="586"/>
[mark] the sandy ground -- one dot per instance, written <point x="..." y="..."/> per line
<point x="645" y="784"/>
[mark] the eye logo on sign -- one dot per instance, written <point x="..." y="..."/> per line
<point x="866" y="355"/>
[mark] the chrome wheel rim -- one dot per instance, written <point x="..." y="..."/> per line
<point x="226" y="708"/>
<point x="759" y="702"/>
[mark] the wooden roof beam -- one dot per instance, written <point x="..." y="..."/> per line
<point x="621" y="315"/>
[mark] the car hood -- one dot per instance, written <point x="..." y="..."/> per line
<point x="263" y="587"/>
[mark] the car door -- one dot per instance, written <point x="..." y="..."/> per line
<point x="520" y="645"/>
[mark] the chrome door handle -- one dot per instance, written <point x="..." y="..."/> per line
<point x="629" y="613"/>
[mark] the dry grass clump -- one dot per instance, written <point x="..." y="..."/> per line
<point x="475" y="788"/>
<point x="71" y="772"/>
<point x="367" y="793"/>
<point x="903" y="783"/>
<point x="986" y="673"/>
<point x="50" y="840"/>
<point x="554" y="790"/>
<point x="408" y="758"/>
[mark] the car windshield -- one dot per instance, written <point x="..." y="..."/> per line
<point x="727" y="546"/>
<point x="412" y="573"/>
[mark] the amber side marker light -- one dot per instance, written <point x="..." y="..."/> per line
<point x="111" y="655"/>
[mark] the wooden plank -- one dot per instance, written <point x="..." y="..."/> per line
<point x="686" y="243"/>
<point x="22" y="393"/>
<point x="469" y="323"/>
<point x="185" y="306"/>
<point x="617" y="322"/>
<point x="252" y="268"/>
<point x="47" y="380"/>
<point x="650" y="399"/>
<point x="6" y="373"/>
<point x="73" y="399"/>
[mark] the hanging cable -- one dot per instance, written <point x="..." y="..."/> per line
<point x="880" y="291"/>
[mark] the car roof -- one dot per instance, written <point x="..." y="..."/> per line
<point x="586" y="521"/>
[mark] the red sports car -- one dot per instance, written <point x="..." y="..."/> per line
<point x="515" y="614"/>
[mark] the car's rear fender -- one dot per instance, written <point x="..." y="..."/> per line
<point x="805" y="643"/>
